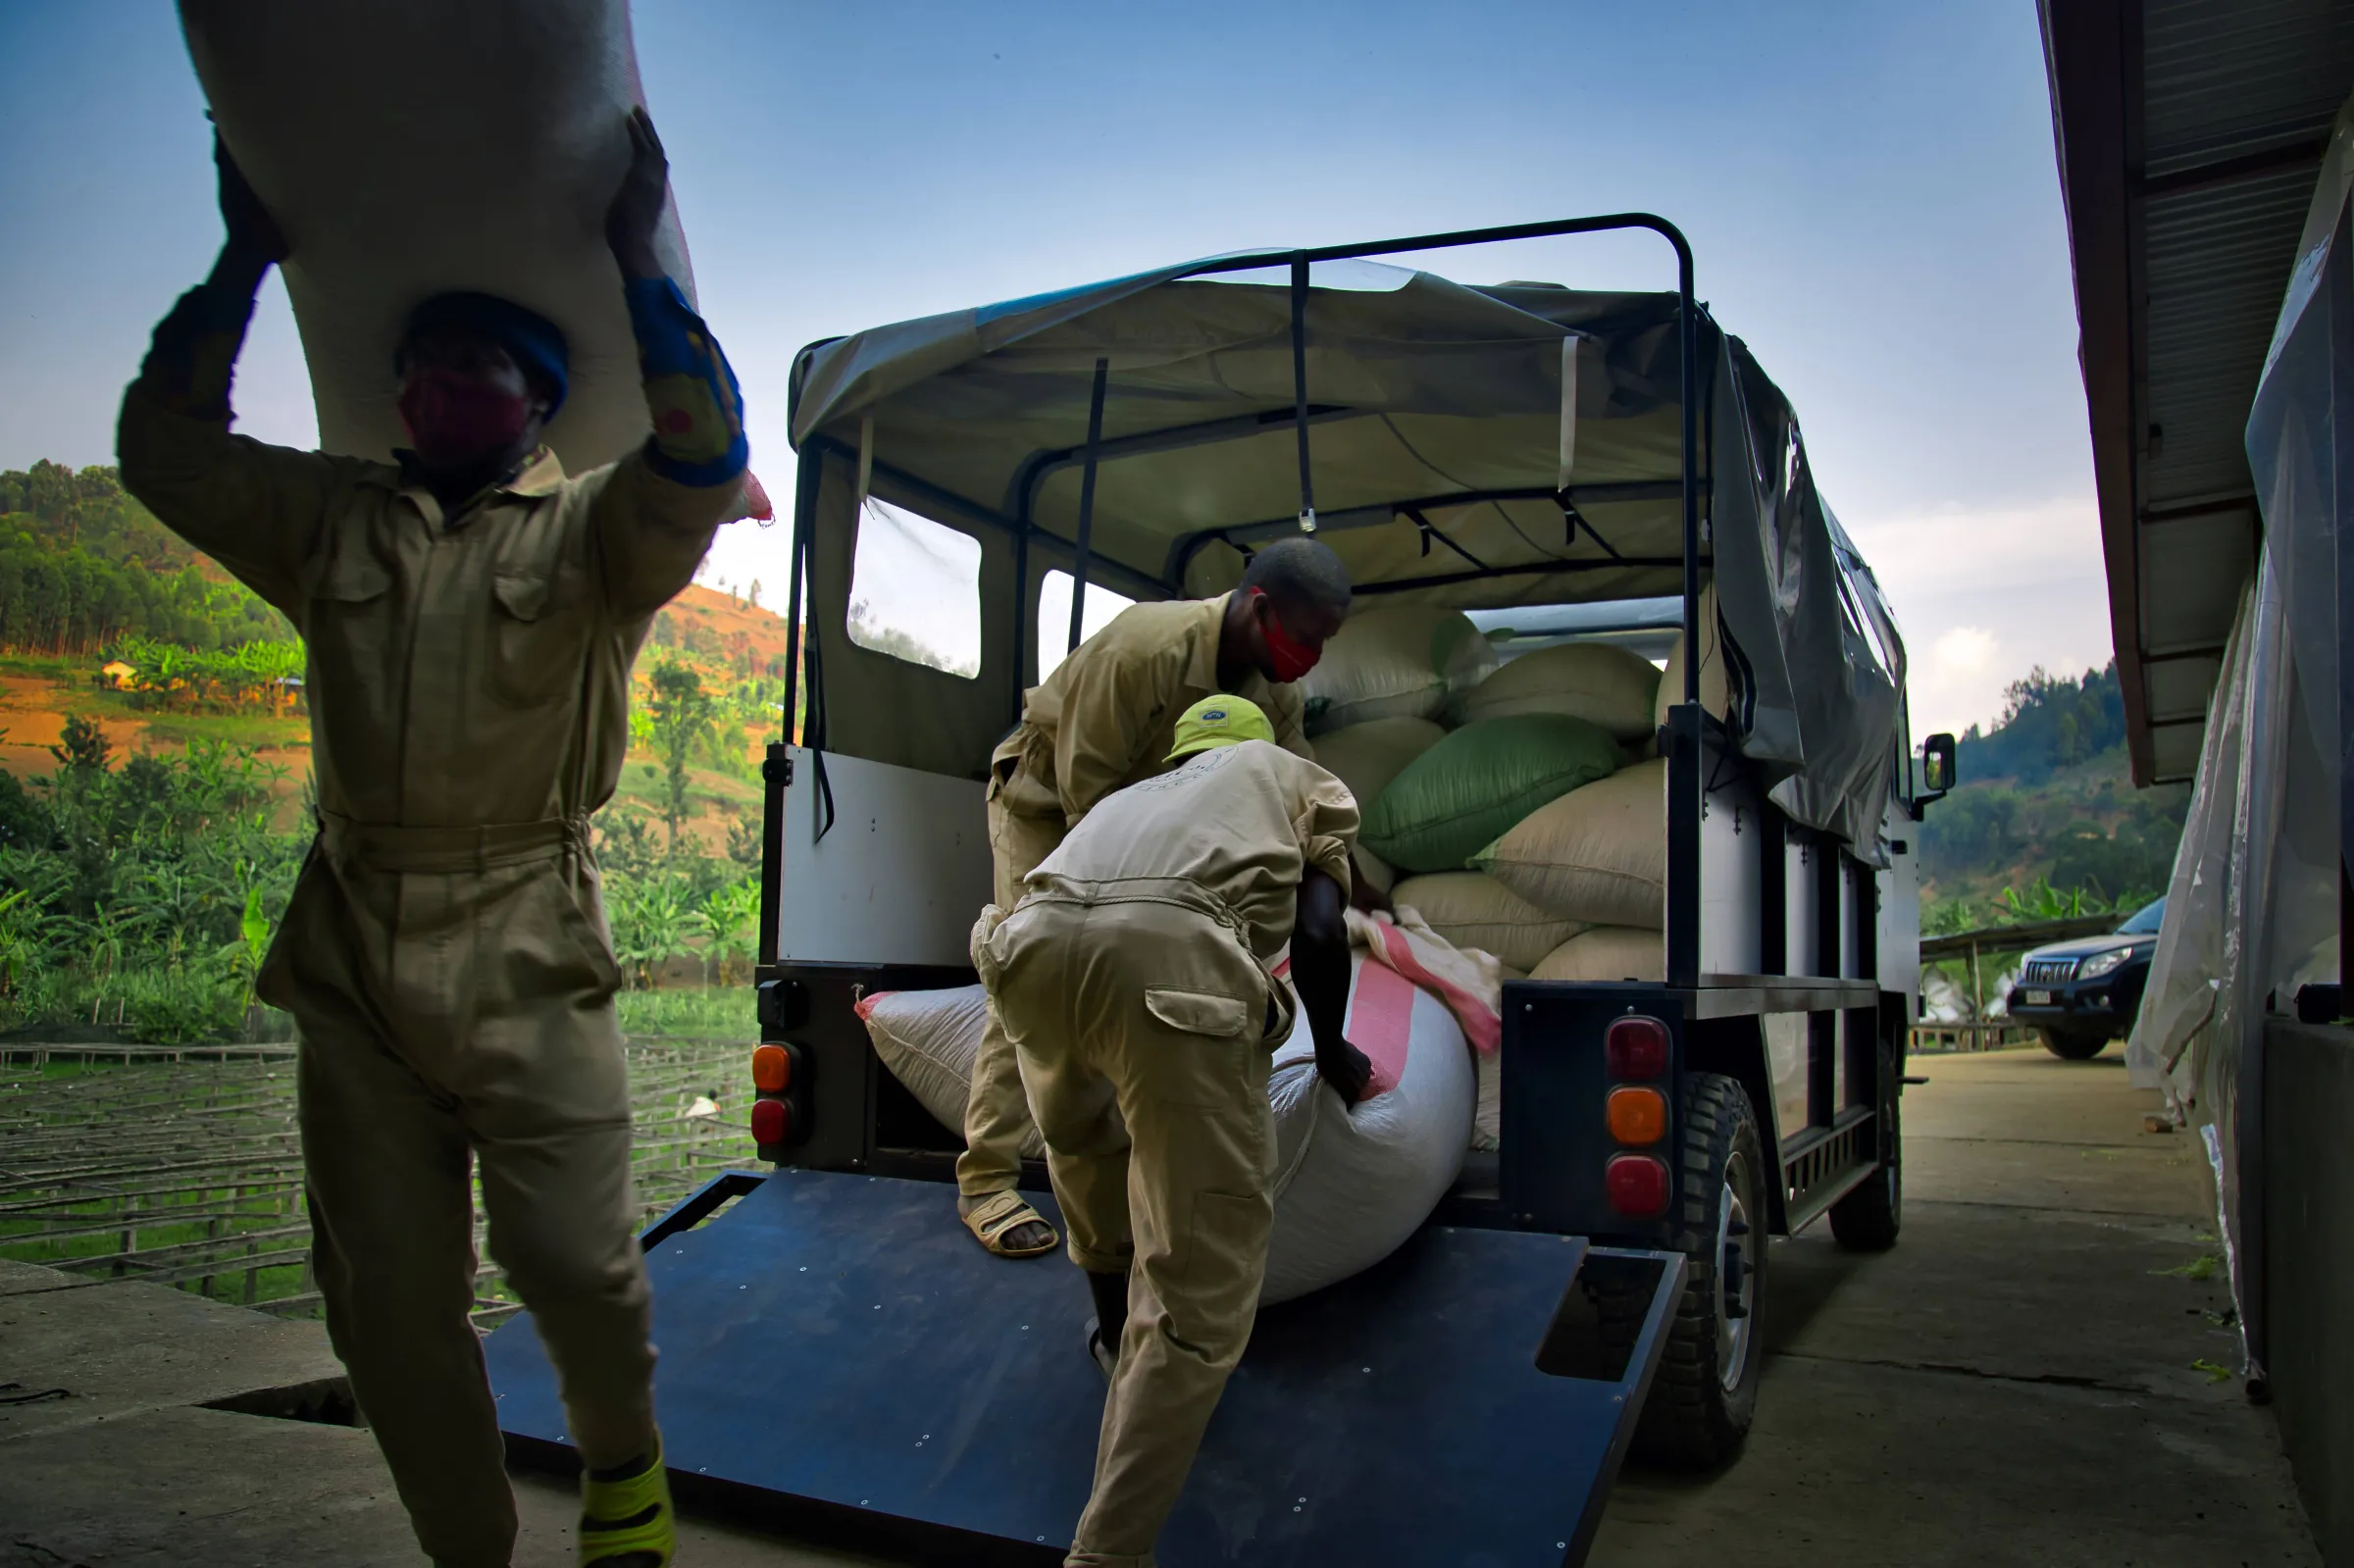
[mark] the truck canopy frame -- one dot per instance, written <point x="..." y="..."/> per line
<point x="1475" y="446"/>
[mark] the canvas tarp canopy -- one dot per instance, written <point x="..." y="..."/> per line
<point x="1446" y="468"/>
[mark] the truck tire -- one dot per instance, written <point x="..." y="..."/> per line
<point x="2074" y="1044"/>
<point x="1706" y="1391"/>
<point x="1868" y="1219"/>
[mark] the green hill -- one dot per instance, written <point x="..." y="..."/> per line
<point x="2047" y="795"/>
<point x="82" y="566"/>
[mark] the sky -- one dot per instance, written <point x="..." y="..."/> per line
<point x="1870" y="191"/>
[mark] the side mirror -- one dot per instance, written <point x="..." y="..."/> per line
<point x="1939" y="772"/>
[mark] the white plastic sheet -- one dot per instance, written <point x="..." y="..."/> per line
<point x="2252" y="907"/>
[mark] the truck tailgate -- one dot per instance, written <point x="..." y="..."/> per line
<point x="840" y="1339"/>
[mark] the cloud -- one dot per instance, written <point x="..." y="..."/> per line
<point x="1964" y="649"/>
<point x="1983" y="594"/>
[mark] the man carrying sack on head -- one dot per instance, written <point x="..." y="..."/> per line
<point x="1132" y="979"/>
<point x="471" y="614"/>
<point x="1104" y="719"/>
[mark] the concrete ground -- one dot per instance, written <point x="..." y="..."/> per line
<point x="2019" y="1382"/>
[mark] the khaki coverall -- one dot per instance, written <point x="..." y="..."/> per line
<point x="1102" y="720"/>
<point x="1132" y="979"/>
<point x="445" y="951"/>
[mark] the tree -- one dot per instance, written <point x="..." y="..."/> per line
<point x="682" y="712"/>
<point x="743" y="840"/>
<point x="82" y="746"/>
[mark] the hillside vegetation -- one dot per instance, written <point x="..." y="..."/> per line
<point x="2047" y="803"/>
<point x="152" y="822"/>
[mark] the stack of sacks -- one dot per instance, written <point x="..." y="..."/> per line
<point x="1597" y="856"/>
<point x="1366" y="757"/>
<point x="1536" y="829"/>
<point x="1459" y="796"/>
<point x="1600" y="683"/>
<point x="1351" y="1182"/>
<point x="1396" y="661"/>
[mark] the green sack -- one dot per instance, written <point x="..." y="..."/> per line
<point x="1475" y="785"/>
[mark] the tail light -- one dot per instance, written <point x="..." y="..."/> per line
<point x="772" y="1122"/>
<point x="780" y="1114"/>
<point x="1635" y="1047"/>
<point x="1636" y="1116"/>
<point x="1637" y="1185"/>
<point x="771" y="1069"/>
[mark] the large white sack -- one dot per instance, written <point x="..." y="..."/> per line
<point x="408" y="147"/>
<point x="1607" y="954"/>
<point x="1600" y="683"/>
<point x="1351" y="1182"/>
<point x="1597" y="854"/>
<point x="1367" y="756"/>
<point x="929" y="1040"/>
<point x="1472" y="909"/>
<point x="1396" y="661"/>
<point x="1715" y="695"/>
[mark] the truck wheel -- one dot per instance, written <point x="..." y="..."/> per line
<point x="1706" y="1390"/>
<point x="1868" y="1219"/>
<point x="2074" y="1044"/>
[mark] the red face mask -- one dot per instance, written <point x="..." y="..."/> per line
<point x="1291" y="657"/>
<point x="454" y="419"/>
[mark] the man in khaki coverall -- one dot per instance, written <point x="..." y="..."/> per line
<point x="1132" y="979"/>
<point x="472" y="614"/>
<point x="1104" y="719"/>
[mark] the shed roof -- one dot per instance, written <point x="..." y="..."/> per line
<point x="2188" y="132"/>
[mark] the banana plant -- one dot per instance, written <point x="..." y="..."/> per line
<point x="651" y="924"/>
<point x="727" y="915"/>
<point x="244" y="956"/>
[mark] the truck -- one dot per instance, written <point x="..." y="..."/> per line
<point x="833" y="1341"/>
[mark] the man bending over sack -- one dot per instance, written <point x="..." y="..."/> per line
<point x="1132" y="979"/>
<point x="472" y="613"/>
<point x="1102" y="720"/>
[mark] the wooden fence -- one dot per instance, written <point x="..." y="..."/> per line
<point x="1992" y="1036"/>
<point x="182" y="1165"/>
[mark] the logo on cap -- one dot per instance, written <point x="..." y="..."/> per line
<point x="1213" y="715"/>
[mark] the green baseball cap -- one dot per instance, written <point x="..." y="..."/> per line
<point x="1218" y="722"/>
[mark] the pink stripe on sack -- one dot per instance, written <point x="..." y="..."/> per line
<point x="1381" y="1024"/>
<point x="864" y="1007"/>
<point x="1481" y="1026"/>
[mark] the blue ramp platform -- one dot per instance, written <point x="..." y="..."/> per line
<point x="838" y="1340"/>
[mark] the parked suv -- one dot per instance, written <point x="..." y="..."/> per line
<point x="2081" y="994"/>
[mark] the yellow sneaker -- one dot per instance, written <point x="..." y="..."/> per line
<point x="627" y="1523"/>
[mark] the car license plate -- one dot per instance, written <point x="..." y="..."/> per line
<point x="2039" y="998"/>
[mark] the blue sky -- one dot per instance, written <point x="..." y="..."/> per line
<point x="1870" y="190"/>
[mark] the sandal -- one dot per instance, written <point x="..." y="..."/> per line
<point x="999" y="1213"/>
<point x="627" y="1523"/>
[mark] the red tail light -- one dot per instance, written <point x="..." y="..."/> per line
<point x="772" y="1121"/>
<point x="1637" y="1184"/>
<point x="1635" y="1047"/>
